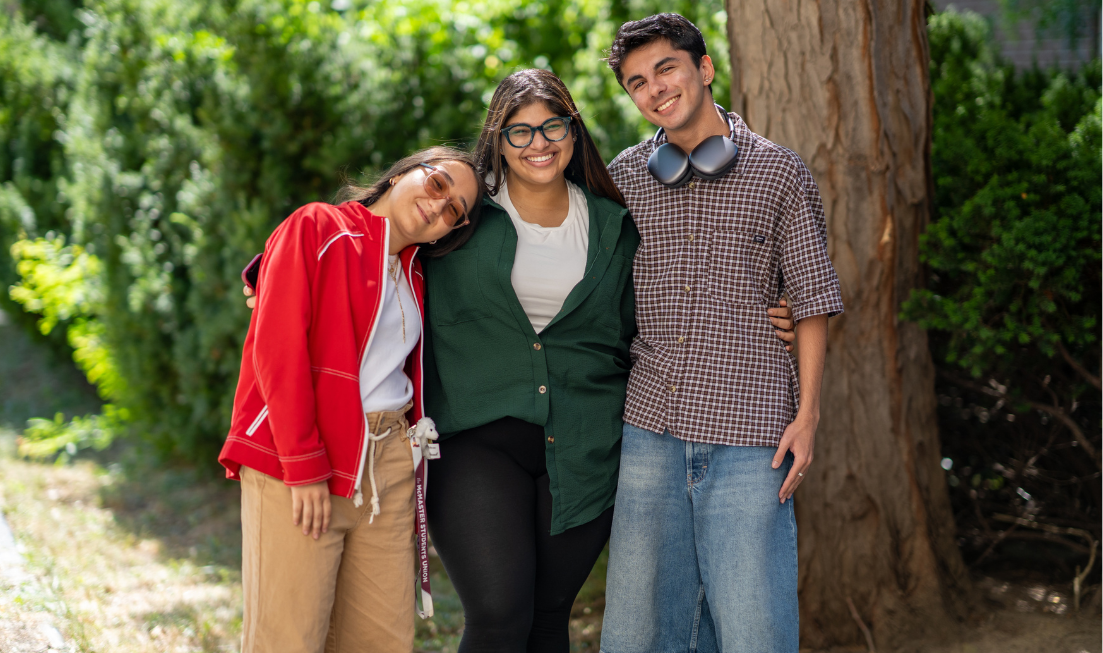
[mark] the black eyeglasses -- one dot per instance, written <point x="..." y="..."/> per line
<point x="553" y="129"/>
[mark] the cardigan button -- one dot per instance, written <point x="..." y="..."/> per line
<point x="551" y="439"/>
<point x="537" y="346"/>
<point x="542" y="389"/>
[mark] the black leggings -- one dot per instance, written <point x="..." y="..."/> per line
<point x="489" y="511"/>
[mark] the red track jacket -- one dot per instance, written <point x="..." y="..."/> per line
<point x="297" y="411"/>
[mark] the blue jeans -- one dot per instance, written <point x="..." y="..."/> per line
<point x="703" y="556"/>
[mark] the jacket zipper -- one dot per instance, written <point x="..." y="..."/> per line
<point x="420" y="409"/>
<point x="357" y="496"/>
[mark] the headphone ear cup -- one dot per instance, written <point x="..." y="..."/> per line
<point x="669" y="165"/>
<point x="714" y="157"/>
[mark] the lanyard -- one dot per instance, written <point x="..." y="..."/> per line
<point x="423" y="451"/>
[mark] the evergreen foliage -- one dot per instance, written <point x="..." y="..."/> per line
<point x="1012" y="303"/>
<point x="36" y="77"/>
<point x="1014" y="247"/>
<point x="167" y="138"/>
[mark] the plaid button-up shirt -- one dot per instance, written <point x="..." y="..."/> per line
<point x="713" y="256"/>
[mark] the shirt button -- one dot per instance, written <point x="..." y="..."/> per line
<point x="691" y="184"/>
<point x="673" y="388"/>
<point x="686" y="289"/>
<point x="691" y="238"/>
<point x="681" y="339"/>
<point x="542" y="389"/>
<point x="537" y="346"/>
<point x="551" y="439"/>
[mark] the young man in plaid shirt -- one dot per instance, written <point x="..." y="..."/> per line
<point x="719" y="423"/>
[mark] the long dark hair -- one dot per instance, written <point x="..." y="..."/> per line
<point x="367" y="195"/>
<point x="527" y="87"/>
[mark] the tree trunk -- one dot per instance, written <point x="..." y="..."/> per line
<point x="845" y="84"/>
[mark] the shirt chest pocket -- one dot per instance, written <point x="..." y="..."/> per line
<point x="454" y="294"/>
<point x="739" y="264"/>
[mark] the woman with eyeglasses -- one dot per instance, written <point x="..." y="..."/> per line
<point x="528" y="328"/>
<point x="330" y="381"/>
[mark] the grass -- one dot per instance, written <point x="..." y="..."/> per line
<point x="128" y="566"/>
<point x="132" y="557"/>
<point x="137" y="559"/>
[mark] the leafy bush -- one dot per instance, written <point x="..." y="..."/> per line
<point x="185" y="131"/>
<point x="36" y="74"/>
<point x="63" y="285"/>
<point x="1013" y="300"/>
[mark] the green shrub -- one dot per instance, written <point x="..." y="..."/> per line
<point x="185" y="131"/>
<point x="1014" y="248"/>
<point x="36" y="75"/>
<point x="1012" y="302"/>
<point x="63" y="286"/>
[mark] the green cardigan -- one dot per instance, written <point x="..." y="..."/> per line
<point x="484" y="361"/>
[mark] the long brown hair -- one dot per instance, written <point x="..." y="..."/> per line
<point x="367" y="195"/>
<point x="526" y="87"/>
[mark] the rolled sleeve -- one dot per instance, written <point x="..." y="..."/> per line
<point x="807" y="272"/>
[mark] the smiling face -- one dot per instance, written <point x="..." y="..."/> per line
<point x="416" y="216"/>
<point x="668" y="89"/>
<point x="541" y="161"/>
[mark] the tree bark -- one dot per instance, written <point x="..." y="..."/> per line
<point x="845" y="84"/>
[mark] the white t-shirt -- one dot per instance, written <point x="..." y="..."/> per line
<point x="383" y="382"/>
<point x="550" y="261"/>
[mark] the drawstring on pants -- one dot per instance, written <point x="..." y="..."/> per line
<point x="358" y="500"/>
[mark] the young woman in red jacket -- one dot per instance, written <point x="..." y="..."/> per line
<point x="330" y="381"/>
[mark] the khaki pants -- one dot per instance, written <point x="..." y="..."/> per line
<point x="352" y="589"/>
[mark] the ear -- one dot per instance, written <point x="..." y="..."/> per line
<point x="708" y="71"/>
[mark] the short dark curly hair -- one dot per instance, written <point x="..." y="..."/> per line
<point x="635" y="34"/>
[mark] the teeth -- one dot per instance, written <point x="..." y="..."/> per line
<point x="664" y="105"/>
<point x="539" y="159"/>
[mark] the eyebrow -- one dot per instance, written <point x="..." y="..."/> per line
<point x="662" y="62"/>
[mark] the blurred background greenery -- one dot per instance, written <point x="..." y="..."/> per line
<point x="150" y="146"/>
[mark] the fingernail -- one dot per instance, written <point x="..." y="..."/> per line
<point x="775" y="464"/>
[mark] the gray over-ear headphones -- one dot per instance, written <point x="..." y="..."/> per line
<point x="711" y="159"/>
